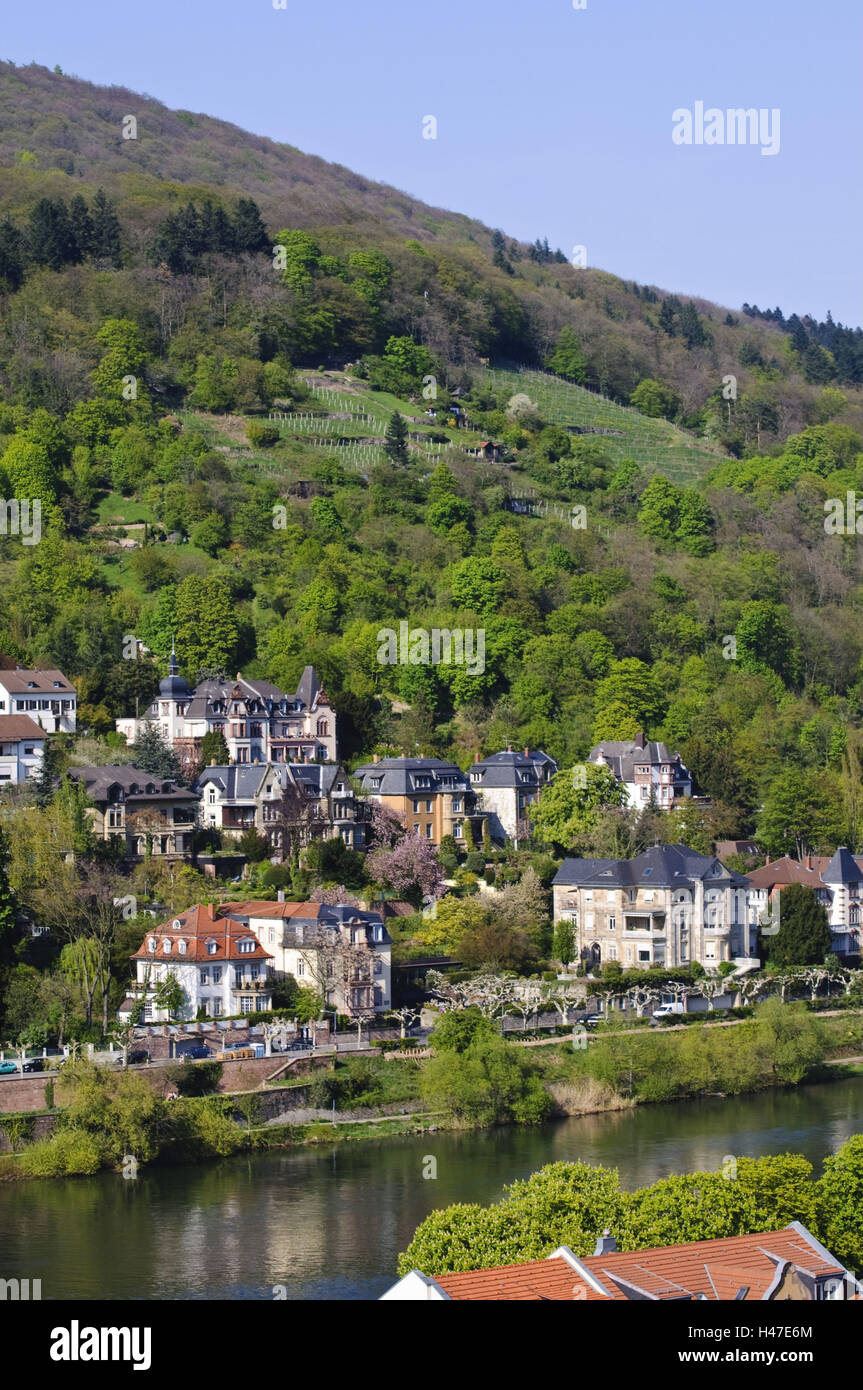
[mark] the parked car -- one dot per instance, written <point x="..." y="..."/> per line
<point x="199" y="1050"/>
<point x="299" y="1045"/>
<point x="668" y="1010"/>
<point x="6" y="1068"/>
<point x="34" y="1064"/>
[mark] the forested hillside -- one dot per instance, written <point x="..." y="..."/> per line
<point x="163" y="297"/>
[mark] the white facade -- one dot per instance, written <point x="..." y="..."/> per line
<point x="21" y="748"/>
<point x="46" y="696"/>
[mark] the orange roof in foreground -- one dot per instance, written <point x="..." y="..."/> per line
<point x="715" y="1268"/>
<point x="198" y="925"/>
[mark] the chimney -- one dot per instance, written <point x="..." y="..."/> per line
<point x="527" y="752"/>
<point x="605" y="1244"/>
<point x="509" y="748"/>
<point x="375" y="757"/>
<point x="767" y="860"/>
<point x="809" y="861"/>
<point x="639" y="739"/>
<point x="210" y="913"/>
<point x="280" y="896"/>
<point x="476" y="757"/>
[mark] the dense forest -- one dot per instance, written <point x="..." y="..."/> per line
<point x="163" y="295"/>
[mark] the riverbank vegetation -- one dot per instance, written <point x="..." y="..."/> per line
<point x="474" y="1079"/>
<point x="573" y="1203"/>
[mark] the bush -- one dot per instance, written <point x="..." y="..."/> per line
<point x="194" y="1078"/>
<point x="475" y="863"/>
<point x="260" y="435"/>
<point x="68" y="1152"/>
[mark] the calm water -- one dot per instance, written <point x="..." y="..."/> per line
<point x="329" y="1223"/>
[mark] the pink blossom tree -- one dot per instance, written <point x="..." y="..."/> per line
<point x="410" y="869"/>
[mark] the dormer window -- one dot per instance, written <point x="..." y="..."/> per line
<point x="166" y="946"/>
<point x="151" y="944"/>
<point x="181" y="947"/>
<point x="246" y="947"/>
<point x="212" y="948"/>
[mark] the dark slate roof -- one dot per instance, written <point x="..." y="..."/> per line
<point x="510" y="769"/>
<point x="244" y="780"/>
<point x="128" y="779"/>
<point x="237" y="780"/>
<point x="210" y="698"/>
<point x="623" y="756"/>
<point x="399" y="776"/>
<point x="842" y="868"/>
<point x="664" y="866"/>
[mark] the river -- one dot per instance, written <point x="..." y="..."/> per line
<point x="329" y="1222"/>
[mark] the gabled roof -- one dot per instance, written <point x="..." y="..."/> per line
<point x="622" y="756"/>
<point x="401" y="776"/>
<point x="307" y="923"/>
<point x="103" y="784"/>
<point x="715" y="1270"/>
<point x="787" y="870"/>
<point x="197" y="926"/>
<point x="663" y="866"/>
<point x="14" y="728"/>
<point x="510" y="769"/>
<point x="48" y="682"/>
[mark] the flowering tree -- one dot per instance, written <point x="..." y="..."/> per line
<point x="335" y="897"/>
<point x="386" y="827"/>
<point x="411" y="869"/>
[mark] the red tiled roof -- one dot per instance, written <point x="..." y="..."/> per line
<point x="537" y="1280"/>
<point x="198" y="925"/>
<point x="718" y="1269"/>
<point x="787" y="870"/>
<point x="265" y="909"/>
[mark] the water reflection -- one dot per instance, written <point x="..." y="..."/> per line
<point x="329" y="1223"/>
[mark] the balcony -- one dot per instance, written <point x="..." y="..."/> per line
<point x="251" y="986"/>
<point x="644" y="921"/>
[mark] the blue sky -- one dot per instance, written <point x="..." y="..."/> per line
<point x="551" y="121"/>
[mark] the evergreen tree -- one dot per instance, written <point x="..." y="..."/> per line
<point x="11" y="258"/>
<point x="81" y="224"/>
<point x="49" y="236"/>
<point x="668" y="315"/>
<point x="691" y="326"/>
<point x="106" y="230"/>
<point x="214" y="749"/>
<point x="151" y="753"/>
<point x="249" y="232"/>
<point x="804" y="936"/>
<point x="396" y="445"/>
<point x="44" y="784"/>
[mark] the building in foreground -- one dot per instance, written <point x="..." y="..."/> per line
<point x="646" y="769"/>
<point x="434" y="797"/>
<point x="668" y="906"/>
<point x="505" y="785"/>
<point x="343" y="952"/>
<point x="218" y="962"/>
<point x="788" y="1265"/>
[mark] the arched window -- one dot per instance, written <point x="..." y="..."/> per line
<point x="323" y="728"/>
<point x="166" y="946"/>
